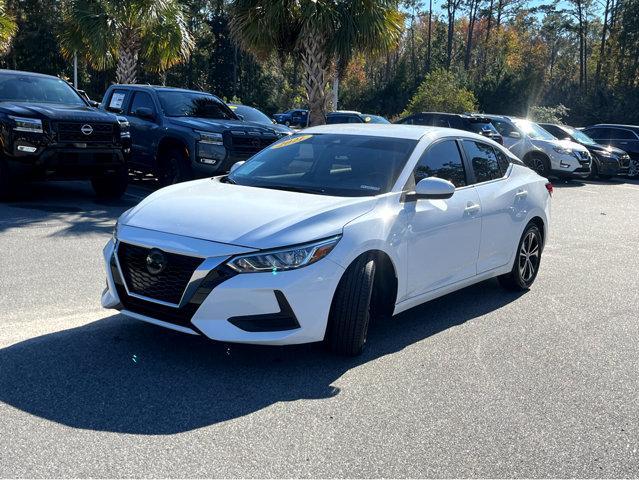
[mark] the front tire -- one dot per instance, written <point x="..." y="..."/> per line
<point x="539" y="164"/>
<point x="527" y="261"/>
<point x="350" y="314"/>
<point x="111" y="186"/>
<point x="594" y="171"/>
<point x="173" y="168"/>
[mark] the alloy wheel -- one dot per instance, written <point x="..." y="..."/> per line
<point x="529" y="257"/>
<point x="537" y="164"/>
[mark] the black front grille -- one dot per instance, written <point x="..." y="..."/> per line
<point x="73" y="132"/>
<point x="246" y="145"/>
<point x="178" y="316"/>
<point x="167" y="285"/>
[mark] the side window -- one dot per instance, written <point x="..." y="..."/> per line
<point x="141" y="99"/>
<point x="484" y="161"/>
<point x="354" y="119"/>
<point x="503" y="160"/>
<point x="596" y="133"/>
<point x="442" y="160"/>
<point x="555" y="131"/>
<point x="621" y="134"/>
<point x="117" y="101"/>
<point x="440" y="121"/>
<point x="504" y="128"/>
<point x="407" y="121"/>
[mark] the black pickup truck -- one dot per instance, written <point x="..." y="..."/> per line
<point x="49" y="131"/>
<point x="180" y="134"/>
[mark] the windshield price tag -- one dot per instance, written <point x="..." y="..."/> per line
<point x="117" y="100"/>
<point x="292" y="141"/>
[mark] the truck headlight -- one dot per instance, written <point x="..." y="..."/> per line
<point x="563" y="150"/>
<point x="284" y="258"/>
<point x="210" y="148"/>
<point x="211" y="138"/>
<point x="125" y="126"/>
<point x="22" y="124"/>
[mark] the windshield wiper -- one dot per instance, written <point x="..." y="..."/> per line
<point x="291" y="188"/>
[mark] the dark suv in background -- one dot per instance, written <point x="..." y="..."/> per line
<point x="49" y="131"/>
<point x="624" y="137"/>
<point x="607" y="162"/>
<point x="469" y="122"/>
<point x="347" y="116"/>
<point x="183" y="134"/>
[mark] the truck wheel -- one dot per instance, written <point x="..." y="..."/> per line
<point x="173" y="168"/>
<point x="111" y="186"/>
<point x="6" y="182"/>
<point x="350" y="312"/>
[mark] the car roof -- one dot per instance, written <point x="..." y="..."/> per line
<point x="28" y="74"/>
<point x="393" y="130"/>
<point x="616" y="125"/>
<point x="159" y="88"/>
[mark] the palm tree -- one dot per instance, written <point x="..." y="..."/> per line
<point x="8" y="27"/>
<point x="322" y="32"/>
<point x="108" y="32"/>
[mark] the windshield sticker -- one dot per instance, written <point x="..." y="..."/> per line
<point x="369" y="187"/>
<point x="292" y="141"/>
<point x="367" y="119"/>
<point x="117" y="99"/>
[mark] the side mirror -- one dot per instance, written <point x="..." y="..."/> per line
<point x="432" y="188"/>
<point x="514" y="134"/>
<point x="145" y="113"/>
<point x="236" y="165"/>
<point x="94" y="104"/>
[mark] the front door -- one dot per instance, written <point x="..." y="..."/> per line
<point x="442" y="235"/>
<point x="143" y="130"/>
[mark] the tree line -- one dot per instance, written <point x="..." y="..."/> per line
<point x="381" y="56"/>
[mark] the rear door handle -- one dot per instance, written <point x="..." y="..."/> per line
<point x="521" y="194"/>
<point x="471" y="208"/>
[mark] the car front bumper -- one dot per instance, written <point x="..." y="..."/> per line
<point x="287" y="307"/>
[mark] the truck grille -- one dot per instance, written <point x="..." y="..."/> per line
<point x="244" y="145"/>
<point x="168" y="284"/>
<point x="85" y="132"/>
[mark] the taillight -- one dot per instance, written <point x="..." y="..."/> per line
<point x="549" y="188"/>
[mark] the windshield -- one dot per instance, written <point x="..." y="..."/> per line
<point x="533" y="130"/>
<point x="580" y="136"/>
<point x="374" y="119"/>
<point x="329" y="164"/>
<point x="33" y="89"/>
<point x="251" y="114"/>
<point x="193" y="104"/>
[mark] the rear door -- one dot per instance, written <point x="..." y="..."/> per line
<point x="625" y="139"/>
<point x="442" y="235"/>
<point x="503" y="203"/>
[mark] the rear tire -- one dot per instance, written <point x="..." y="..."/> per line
<point x="111" y="186"/>
<point x="527" y="261"/>
<point x="349" y="318"/>
<point x="173" y="168"/>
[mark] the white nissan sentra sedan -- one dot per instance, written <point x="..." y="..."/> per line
<point x="318" y="234"/>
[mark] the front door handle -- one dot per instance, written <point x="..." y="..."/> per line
<point x="521" y="194"/>
<point x="471" y="208"/>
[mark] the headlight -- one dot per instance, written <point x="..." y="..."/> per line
<point x="124" y="127"/>
<point x="211" y="138"/>
<point x="114" y="235"/>
<point x="285" y="258"/>
<point x="562" y="150"/>
<point x="32" y="125"/>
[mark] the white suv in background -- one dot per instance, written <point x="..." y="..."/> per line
<point x="541" y="151"/>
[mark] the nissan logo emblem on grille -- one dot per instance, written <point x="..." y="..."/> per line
<point x="86" y="129"/>
<point x="156" y="262"/>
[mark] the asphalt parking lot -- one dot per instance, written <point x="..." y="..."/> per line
<point x="478" y="383"/>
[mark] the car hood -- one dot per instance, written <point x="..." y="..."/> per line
<point x="606" y="148"/>
<point x="219" y="126"/>
<point x="549" y="144"/>
<point x="245" y="216"/>
<point x="52" y="111"/>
